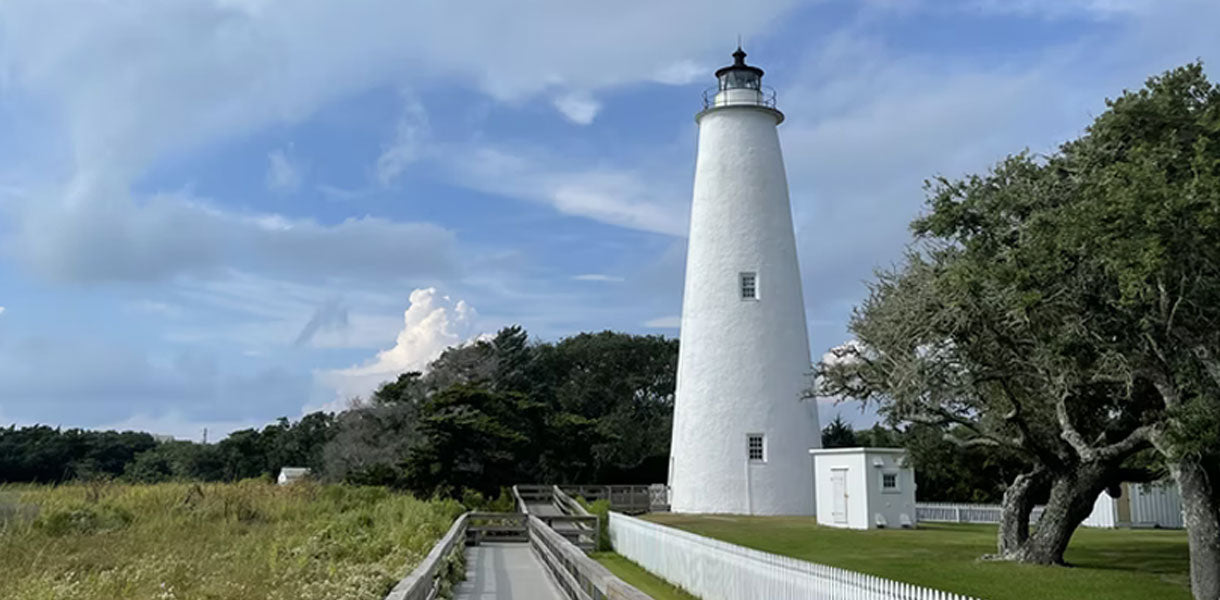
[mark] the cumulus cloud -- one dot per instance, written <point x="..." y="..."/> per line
<point x="283" y="173"/>
<point x="1" y="310"/>
<point x="431" y="323"/>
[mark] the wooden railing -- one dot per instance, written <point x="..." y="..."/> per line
<point x="580" y="577"/>
<point x="424" y="582"/>
<point x="572" y="521"/>
<point x="495" y="527"/>
<point x="625" y="498"/>
<point x="567" y="503"/>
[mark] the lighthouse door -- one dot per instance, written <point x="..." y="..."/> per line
<point x="838" y="492"/>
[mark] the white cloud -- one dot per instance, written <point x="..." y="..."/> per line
<point x="1" y="310"/>
<point x="598" y="277"/>
<point x="94" y="230"/>
<point x="283" y="173"/>
<point x="624" y="197"/>
<point x="120" y="87"/>
<point x="136" y="80"/>
<point x="579" y="107"/>
<point x="681" y="72"/>
<point x="673" y="322"/>
<point x="430" y="324"/>
<point x="410" y="142"/>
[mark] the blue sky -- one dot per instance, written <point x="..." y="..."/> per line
<point x="218" y="212"/>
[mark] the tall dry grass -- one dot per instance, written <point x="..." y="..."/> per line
<point x="244" y="541"/>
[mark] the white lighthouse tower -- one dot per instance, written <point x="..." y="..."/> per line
<point x="742" y="432"/>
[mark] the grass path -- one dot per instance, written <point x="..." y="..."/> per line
<point x="646" y="582"/>
<point x="1108" y="564"/>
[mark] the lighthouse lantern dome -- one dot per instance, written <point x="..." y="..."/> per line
<point x="740" y="85"/>
<point x="739" y="75"/>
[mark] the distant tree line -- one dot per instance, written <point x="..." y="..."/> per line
<point x="595" y="407"/>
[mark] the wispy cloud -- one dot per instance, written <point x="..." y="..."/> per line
<point x="672" y="322"/>
<point x="598" y="277"/>
<point x="579" y="107"/>
<point x="283" y="173"/>
<point x="409" y="144"/>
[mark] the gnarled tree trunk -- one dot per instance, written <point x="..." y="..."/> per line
<point x="1015" y="509"/>
<point x="1201" y="508"/>
<point x="1073" y="494"/>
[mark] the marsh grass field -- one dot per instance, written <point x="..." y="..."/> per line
<point x="241" y="541"/>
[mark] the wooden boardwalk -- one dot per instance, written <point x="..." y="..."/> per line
<point x="505" y="570"/>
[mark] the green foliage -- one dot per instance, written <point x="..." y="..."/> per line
<point x="838" y="434"/>
<point x="601" y="508"/>
<point x="474" y="500"/>
<point x="45" y="454"/>
<point x="590" y="408"/>
<point x="946" y="472"/>
<point x="241" y="541"/>
<point x="83" y="518"/>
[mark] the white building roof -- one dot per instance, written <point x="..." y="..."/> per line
<point x="857" y="450"/>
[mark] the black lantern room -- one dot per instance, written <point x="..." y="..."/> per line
<point x="739" y="75"/>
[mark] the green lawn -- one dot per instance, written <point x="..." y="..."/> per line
<point x="1108" y="564"/>
<point x="646" y="582"/>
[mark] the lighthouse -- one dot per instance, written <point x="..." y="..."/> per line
<point x="741" y="430"/>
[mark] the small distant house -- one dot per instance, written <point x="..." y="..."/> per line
<point x="863" y="488"/>
<point x="292" y="474"/>
<point x="1156" y="504"/>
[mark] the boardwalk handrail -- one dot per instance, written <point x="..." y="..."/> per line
<point x="578" y="576"/>
<point x="565" y="502"/>
<point x="422" y="582"/>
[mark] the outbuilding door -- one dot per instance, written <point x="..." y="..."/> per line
<point x="838" y="492"/>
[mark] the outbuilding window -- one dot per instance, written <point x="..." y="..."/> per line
<point x="756" y="448"/>
<point x="749" y="285"/>
<point x="889" y="482"/>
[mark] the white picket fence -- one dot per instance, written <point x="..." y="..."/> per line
<point x="948" y="512"/>
<point x="716" y="570"/>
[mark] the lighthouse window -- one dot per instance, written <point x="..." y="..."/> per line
<point x="749" y="286"/>
<point x="755" y="449"/>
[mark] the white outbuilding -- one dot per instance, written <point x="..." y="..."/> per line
<point x="1157" y="504"/>
<point x="292" y="474"/>
<point x="863" y="488"/>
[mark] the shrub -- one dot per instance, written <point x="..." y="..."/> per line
<point x="83" y="519"/>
